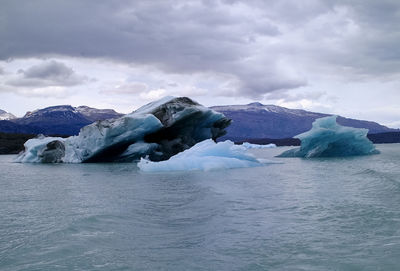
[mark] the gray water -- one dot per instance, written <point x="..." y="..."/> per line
<point x="319" y="214"/>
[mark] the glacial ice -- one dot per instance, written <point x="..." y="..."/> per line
<point x="158" y="130"/>
<point x="36" y="149"/>
<point x="248" y="145"/>
<point x="329" y="139"/>
<point x="206" y="155"/>
<point x="104" y="141"/>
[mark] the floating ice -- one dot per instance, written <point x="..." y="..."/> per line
<point x="158" y="130"/>
<point x="329" y="139"/>
<point x="43" y="149"/>
<point x="206" y="155"/>
<point x="248" y="145"/>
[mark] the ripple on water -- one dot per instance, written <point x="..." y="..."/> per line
<point x="322" y="214"/>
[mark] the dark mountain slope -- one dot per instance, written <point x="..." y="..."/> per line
<point x="62" y="119"/>
<point x="256" y="120"/>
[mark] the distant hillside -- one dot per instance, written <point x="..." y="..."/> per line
<point x="256" y="120"/>
<point x="62" y="119"/>
<point x="391" y="137"/>
<point x="381" y="138"/>
<point x="7" y="126"/>
<point x="13" y="143"/>
<point x="253" y="120"/>
<point x="277" y="142"/>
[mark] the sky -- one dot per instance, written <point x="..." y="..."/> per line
<point x="339" y="57"/>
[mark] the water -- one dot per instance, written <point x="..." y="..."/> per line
<point x="320" y="214"/>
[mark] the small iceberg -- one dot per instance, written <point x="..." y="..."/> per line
<point x="248" y="145"/>
<point x="206" y="155"/>
<point x="329" y="139"/>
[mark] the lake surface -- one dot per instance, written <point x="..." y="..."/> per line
<point x="317" y="214"/>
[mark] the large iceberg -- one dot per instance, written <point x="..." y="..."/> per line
<point x="158" y="131"/>
<point x="329" y="139"/>
<point x="206" y="155"/>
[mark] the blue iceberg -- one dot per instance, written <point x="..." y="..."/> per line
<point x="329" y="139"/>
<point x="206" y="155"/>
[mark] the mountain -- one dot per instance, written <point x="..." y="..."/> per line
<point x="94" y="114"/>
<point x="6" y="116"/>
<point x="256" y="120"/>
<point x="62" y="120"/>
<point x="251" y="121"/>
<point x="7" y="126"/>
<point x="11" y="143"/>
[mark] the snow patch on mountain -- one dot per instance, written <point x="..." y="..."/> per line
<point x="261" y="107"/>
<point x="47" y="110"/>
<point x="97" y="114"/>
<point x="6" y="116"/>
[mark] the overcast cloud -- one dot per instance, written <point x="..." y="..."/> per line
<point x="51" y="73"/>
<point x="309" y="54"/>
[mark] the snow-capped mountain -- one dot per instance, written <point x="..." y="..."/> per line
<point x="65" y="110"/>
<point x="95" y="114"/>
<point x="61" y="119"/>
<point x="256" y="120"/>
<point x="257" y="107"/>
<point x="6" y="116"/>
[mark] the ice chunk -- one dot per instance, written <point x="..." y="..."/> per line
<point x="206" y="155"/>
<point x="248" y="145"/>
<point x="101" y="140"/>
<point x="42" y="149"/>
<point x="329" y="139"/>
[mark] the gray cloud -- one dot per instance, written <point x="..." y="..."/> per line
<point x="265" y="46"/>
<point x="286" y="96"/>
<point x="177" y="37"/>
<point x="133" y="88"/>
<point x="48" y="73"/>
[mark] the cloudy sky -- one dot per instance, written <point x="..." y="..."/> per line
<point x="339" y="57"/>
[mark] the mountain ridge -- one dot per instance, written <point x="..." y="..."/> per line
<point x="253" y="120"/>
<point x="272" y="121"/>
<point x="59" y="119"/>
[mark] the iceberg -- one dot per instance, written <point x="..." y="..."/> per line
<point x="157" y="130"/>
<point x="206" y="155"/>
<point x="329" y="139"/>
<point x="248" y="145"/>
